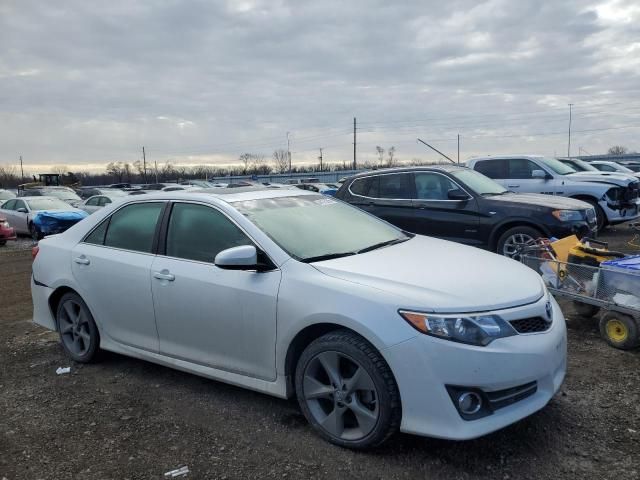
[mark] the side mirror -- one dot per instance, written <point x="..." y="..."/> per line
<point x="244" y="257"/>
<point x="457" y="194"/>
<point x="22" y="210"/>
<point x="539" y="174"/>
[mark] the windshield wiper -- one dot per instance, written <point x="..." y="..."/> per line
<point x="383" y="244"/>
<point x="327" y="256"/>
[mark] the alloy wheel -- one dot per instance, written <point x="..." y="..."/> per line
<point x="74" y="328"/>
<point x="511" y="247"/>
<point x="341" y="395"/>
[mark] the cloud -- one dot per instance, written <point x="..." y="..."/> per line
<point x="85" y="83"/>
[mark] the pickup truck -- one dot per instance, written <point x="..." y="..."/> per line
<point x="614" y="197"/>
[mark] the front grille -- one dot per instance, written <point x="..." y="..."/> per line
<point x="530" y="325"/>
<point x="502" y="398"/>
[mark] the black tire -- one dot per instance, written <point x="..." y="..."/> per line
<point x="601" y="217"/>
<point x="35" y="232"/>
<point x="353" y="348"/>
<point x="620" y="330"/>
<point x="3" y="243"/>
<point x="585" y="309"/>
<point x="86" y="329"/>
<point x="506" y="239"/>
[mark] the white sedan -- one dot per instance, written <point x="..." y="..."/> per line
<point x="96" y="202"/>
<point x="292" y="293"/>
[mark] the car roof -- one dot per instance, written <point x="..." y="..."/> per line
<point x="37" y="197"/>
<point x="228" y="195"/>
<point x="428" y="168"/>
<point x="506" y="157"/>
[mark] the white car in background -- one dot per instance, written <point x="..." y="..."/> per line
<point x="39" y="216"/>
<point x="605" y="166"/>
<point x="293" y="293"/>
<point x="96" y="202"/>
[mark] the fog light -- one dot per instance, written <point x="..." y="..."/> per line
<point x="469" y="403"/>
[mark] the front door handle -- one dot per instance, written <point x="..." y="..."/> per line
<point x="513" y="186"/>
<point x="164" y="275"/>
<point x="82" y="260"/>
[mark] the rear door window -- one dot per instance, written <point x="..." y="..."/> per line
<point x="197" y="232"/>
<point x="496" y="169"/>
<point x="395" y="186"/>
<point x="360" y="186"/>
<point x="10" y="205"/>
<point x="521" y="168"/>
<point x="133" y="227"/>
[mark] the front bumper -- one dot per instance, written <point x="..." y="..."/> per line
<point x="621" y="215"/>
<point x="580" y="229"/>
<point x="423" y="366"/>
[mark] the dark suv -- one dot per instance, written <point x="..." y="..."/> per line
<point x="459" y="204"/>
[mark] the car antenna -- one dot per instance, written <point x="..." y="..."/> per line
<point x="435" y="150"/>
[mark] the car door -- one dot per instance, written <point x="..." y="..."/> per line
<point x="20" y="219"/>
<point x="437" y="215"/>
<point x="224" y="319"/>
<point x="387" y="196"/>
<point x="520" y="177"/>
<point x="112" y="268"/>
<point x="496" y="169"/>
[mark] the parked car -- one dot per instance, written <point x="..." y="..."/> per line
<point x="95" y="203"/>
<point x="459" y="204"/>
<point x="325" y="189"/>
<point x="613" y="167"/>
<point x="6" y="231"/>
<point x="86" y="192"/>
<point x="39" y="216"/>
<point x="65" y="194"/>
<point x="197" y="183"/>
<point x="579" y="165"/>
<point x="6" y="195"/>
<point x="293" y="293"/>
<point x="614" y="197"/>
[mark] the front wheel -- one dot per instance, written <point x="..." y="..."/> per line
<point x="601" y="217"/>
<point x="35" y="232"/>
<point x="347" y="391"/>
<point x="512" y="240"/>
<point x="78" y="331"/>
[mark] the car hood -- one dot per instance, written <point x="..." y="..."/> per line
<point x="440" y="276"/>
<point x="619" y="179"/>
<point x="70" y="214"/>
<point x="550" y="201"/>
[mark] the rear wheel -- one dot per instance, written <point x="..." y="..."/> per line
<point x="78" y="331"/>
<point x="512" y="240"/>
<point x="620" y="330"/>
<point x="347" y="391"/>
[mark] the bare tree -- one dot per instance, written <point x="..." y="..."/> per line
<point x="380" y="151"/>
<point x="390" y="156"/>
<point x="8" y="175"/>
<point x="60" y="170"/>
<point x="281" y="160"/>
<point x="139" y="168"/>
<point x="259" y="165"/>
<point x="617" y="150"/>
<point x="168" y="171"/>
<point x="116" y="170"/>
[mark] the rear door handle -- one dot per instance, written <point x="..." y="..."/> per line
<point x="82" y="260"/>
<point x="164" y="275"/>
<point x="513" y="186"/>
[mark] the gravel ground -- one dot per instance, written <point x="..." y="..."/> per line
<point x="123" y="418"/>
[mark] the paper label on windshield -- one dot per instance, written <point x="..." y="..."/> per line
<point x="325" y="201"/>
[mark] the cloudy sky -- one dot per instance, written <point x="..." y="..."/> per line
<point x="84" y="83"/>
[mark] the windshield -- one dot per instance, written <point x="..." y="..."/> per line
<point x="6" y="195"/>
<point x="557" y="166"/>
<point x="479" y="183"/>
<point x="622" y="168"/>
<point x="62" y="194"/>
<point x="310" y="227"/>
<point x="45" y="203"/>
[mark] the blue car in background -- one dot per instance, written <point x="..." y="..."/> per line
<point x="40" y="216"/>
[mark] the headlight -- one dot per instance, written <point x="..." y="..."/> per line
<point x="4" y="224"/>
<point x="475" y="330"/>
<point x="567" y="215"/>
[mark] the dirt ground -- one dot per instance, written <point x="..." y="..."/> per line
<point x="128" y="419"/>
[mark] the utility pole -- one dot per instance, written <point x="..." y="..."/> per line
<point x="320" y="157"/>
<point x="354" y="144"/>
<point x="144" y="165"/>
<point x="569" y="144"/>
<point x="458" y="149"/>
<point x="289" y="153"/>
<point x="156" y="165"/>
<point x="21" y="169"/>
